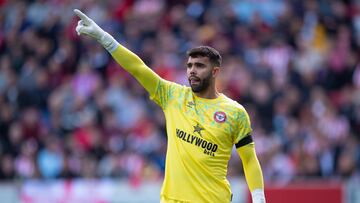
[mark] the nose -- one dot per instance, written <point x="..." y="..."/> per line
<point x="192" y="71"/>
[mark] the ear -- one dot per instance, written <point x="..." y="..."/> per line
<point x="215" y="71"/>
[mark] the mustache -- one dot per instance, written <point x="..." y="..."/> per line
<point x="194" y="77"/>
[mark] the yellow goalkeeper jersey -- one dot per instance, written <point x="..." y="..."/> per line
<point x="201" y="134"/>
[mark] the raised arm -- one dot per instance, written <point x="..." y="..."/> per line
<point x="127" y="59"/>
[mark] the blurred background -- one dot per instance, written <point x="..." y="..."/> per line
<point x="72" y="123"/>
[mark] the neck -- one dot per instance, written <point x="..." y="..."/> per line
<point x="210" y="93"/>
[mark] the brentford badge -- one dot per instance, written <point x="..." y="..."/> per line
<point x="219" y="116"/>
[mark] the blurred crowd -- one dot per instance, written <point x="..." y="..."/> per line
<point x="67" y="110"/>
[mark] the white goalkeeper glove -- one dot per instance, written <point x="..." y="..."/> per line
<point x="258" y="196"/>
<point x="88" y="27"/>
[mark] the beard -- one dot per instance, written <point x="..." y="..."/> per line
<point x="202" y="85"/>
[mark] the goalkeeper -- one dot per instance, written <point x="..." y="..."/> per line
<point x="202" y="124"/>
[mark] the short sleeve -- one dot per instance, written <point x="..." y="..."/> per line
<point x="244" y="125"/>
<point x="164" y="93"/>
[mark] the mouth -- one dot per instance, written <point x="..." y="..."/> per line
<point x="194" y="80"/>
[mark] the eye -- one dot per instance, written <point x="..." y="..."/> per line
<point x="189" y="65"/>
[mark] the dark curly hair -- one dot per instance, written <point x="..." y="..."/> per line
<point x="206" y="51"/>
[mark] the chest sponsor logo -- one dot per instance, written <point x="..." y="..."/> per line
<point x="208" y="147"/>
<point x="219" y="116"/>
<point x="198" y="129"/>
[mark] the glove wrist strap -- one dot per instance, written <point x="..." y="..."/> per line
<point x="258" y="196"/>
<point x="108" y="42"/>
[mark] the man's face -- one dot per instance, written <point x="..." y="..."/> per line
<point x="200" y="73"/>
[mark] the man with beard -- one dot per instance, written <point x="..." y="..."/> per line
<point x="202" y="124"/>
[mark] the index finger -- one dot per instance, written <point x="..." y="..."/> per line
<point x="82" y="16"/>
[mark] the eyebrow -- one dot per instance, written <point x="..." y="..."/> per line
<point x="196" y="63"/>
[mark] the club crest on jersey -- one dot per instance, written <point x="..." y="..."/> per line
<point x="219" y="116"/>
